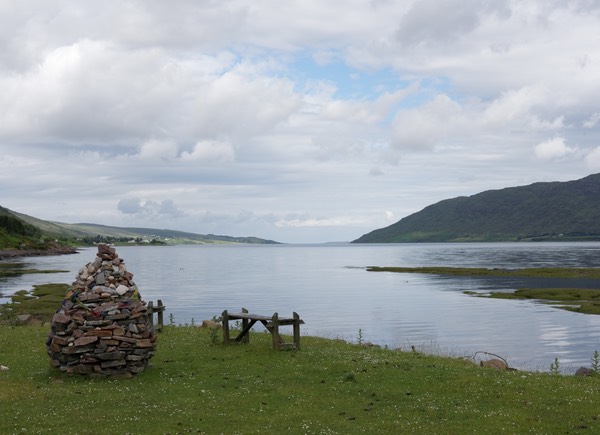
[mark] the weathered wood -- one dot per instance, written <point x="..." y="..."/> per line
<point x="297" y="330"/>
<point x="225" y="320"/>
<point x="244" y="336"/>
<point x="241" y="316"/>
<point x="272" y="325"/>
<point x="160" y="316"/>
<point x="159" y="309"/>
<point x="151" y="316"/>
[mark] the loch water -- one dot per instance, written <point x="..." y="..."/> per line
<point x="337" y="297"/>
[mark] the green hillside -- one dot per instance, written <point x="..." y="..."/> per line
<point x="541" y="211"/>
<point x="23" y="232"/>
<point x="15" y="233"/>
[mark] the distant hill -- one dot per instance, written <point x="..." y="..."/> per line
<point x="541" y="211"/>
<point x="18" y="238"/>
<point x="14" y="232"/>
<point x="20" y="231"/>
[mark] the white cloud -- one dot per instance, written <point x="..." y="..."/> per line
<point x="320" y="222"/>
<point x="210" y="151"/>
<point x="136" y="206"/>
<point x="88" y="91"/>
<point x="160" y="149"/>
<point x="554" y="148"/>
<point x="423" y="127"/>
<point x="592" y="121"/>
<point x="592" y="159"/>
<point x="247" y="114"/>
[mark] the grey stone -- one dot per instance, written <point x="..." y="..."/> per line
<point x="100" y="279"/>
<point x="584" y="371"/>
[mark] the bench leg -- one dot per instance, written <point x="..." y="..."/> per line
<point x="275" y="332"/>
<point x="243" y="335"/>
<point x="276" y="337"/>
<point x="246" y="338"/>
<point x="225" y="320"/>
<point x="297" y="331"/>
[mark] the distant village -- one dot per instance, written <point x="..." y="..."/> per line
<point x="151" y="240"/>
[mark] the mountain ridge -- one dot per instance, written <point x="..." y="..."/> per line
<point x="540" y="211"/>
<point x="21" y="232"/>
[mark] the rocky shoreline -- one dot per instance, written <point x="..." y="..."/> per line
<point x="54" y="250"/>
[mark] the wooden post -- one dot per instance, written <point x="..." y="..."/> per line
<point x="297" y="330"/>
<point x="151" y="315"/>
<point x="161" y="309"/>
<point x="225" y="320"/>
<point x="275" y="332"/>
<point x="245" y="338"/>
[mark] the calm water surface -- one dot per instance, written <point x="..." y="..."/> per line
<point x="329" y="287"/>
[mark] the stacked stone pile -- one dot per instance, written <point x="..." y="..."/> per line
<point x="102" y="327"/>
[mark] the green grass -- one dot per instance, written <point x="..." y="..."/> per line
<point x="585" y="301"/>
<point x="539" y="272"/>
<point x="41" y="302"/>
<point x="328" y="387"/>
<point x="18" y="269"/>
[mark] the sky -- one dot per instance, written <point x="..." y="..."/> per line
<point x="301" y="121"/>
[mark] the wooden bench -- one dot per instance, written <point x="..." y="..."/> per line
<point x="272" y="324"/>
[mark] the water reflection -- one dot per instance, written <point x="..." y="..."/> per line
<point x="337" y="297"/>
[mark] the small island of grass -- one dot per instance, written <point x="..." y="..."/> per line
<point x="585" y="301"/>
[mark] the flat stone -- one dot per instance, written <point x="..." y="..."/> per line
<point x="55" y="347"/>
<point x="106" y="356"/>
<point x="112" y="363"/>
<point x="100" y="333"/>
<point x="126" y="339"/>
<point x="97" y="322"/>
<point x="83" y="341"/>
<point x="60" y="341"/>
<point x="143" y="343"/>
<point x="119" y="330"/>
<point x="69" y="350"/>
<point x="83" y="369"/>
<point x="116" y="317"/>
<point x="88" y="359"/>
<point x="24" y="318"/>
<point x="60" y="318"/>
<point x="110" y="341"/>
<point x="100" y="279"/>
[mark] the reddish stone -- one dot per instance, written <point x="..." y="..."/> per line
<point x="84" y="341"/>
<point x="99" y="333"/>
<point x="60" y="318"/>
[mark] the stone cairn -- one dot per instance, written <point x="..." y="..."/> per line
<point x="102" y="327"/>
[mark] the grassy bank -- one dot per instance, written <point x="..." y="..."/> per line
<point x="41" y="302"/>
<point x="8" y="270"/>
<point x="328" y="387"/>
<point x="536" y="272"/>
<point x="585" y="301"/>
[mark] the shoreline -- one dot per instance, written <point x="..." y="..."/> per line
<point x="20" y="253"/>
